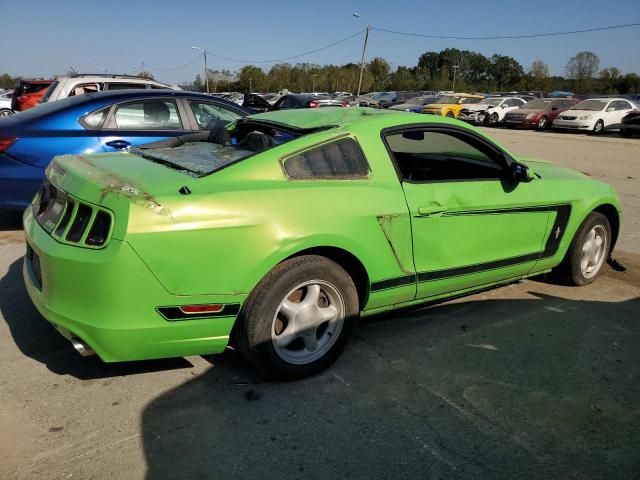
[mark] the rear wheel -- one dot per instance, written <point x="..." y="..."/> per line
<point x="588" y="251"/>
<point x="450" y="115"/>
<point x="5" y="112"/>
<point x="299" y="318"/>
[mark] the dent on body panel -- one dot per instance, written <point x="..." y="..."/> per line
<point x="397" y="231"/>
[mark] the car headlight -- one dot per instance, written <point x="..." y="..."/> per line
<point x="585" y="117"/>
<point x="530" y="116"/>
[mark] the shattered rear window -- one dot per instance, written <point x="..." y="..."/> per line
<point x="195" y="159"/>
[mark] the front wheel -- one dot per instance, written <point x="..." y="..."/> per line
<point x="543" y="123"/>
<point x="450" y="115"/>
<point x="588" y="251"/>
<point x="494" y="119"/>
<point x="297" y="321"/>
<point x="6" y="112"/>
<point x="598" y="128"/>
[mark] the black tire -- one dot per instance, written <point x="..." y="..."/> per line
<point x="598" y="128"/>
<point x="494" y="119"/>
<point x="543" y="123"/>
<point x="450" y="115"/>
<point x="569" y="271"/>
<point x="258" y="315"/>
<point x="625" y="133"/>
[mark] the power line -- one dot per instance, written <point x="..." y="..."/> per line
<point x="274" y="60"/>
<point x="176" y="67"/>
<point x="507" y="37"/>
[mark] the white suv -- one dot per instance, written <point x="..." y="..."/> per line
<point x="80" y="84"/>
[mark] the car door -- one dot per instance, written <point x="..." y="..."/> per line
<point x="615" y="111"/>
<point x="471" y="223"/>
<point x="144" y="120"/>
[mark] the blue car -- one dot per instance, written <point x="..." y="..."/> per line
<point x="97" y="122"/>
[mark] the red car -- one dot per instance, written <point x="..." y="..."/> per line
<point x="538" y="113"/>
<point x="28" y="93"/>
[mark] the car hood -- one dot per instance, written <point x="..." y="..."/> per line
<point x="475" y="107"/>
<point x="548" y="170"/>
<point x="526" y="111"/>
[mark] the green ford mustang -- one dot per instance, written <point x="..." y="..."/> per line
<point x="280" y="230"/>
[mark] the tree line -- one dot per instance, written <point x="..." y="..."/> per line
<point x="472" y="72"/>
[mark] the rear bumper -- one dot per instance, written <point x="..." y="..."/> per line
<point x="108" y="299"/>
<point x="19" y="183"/>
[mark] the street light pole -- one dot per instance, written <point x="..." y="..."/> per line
<point x="364" y="49"/>
<point x="206" y="76"/>
<point x="455" y="70"/>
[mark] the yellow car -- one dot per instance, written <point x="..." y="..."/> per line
<point x="450" y="105"/>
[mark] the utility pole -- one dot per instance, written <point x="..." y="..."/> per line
<point x="250" y="85"/>
<point x="455" y="70"/>
<point x="364" y="49"/>
<point x="206" y="76"/>
<point x="313" y="83"/>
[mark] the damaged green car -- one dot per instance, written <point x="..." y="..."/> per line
<point x="280" y="230"/>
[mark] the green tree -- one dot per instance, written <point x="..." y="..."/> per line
<point x="379" y="69"/>
<point x="7" y="81"/>
<point x="506" y="72"/>
<point x="198" y="86"/>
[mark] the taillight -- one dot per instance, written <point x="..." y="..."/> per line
<point x="314" y="104"/>
<point x="22" y="98"/>
<point x="6" y="142"/>
<point x="345" y="104"/>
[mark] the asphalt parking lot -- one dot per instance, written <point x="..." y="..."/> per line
<point x="532" y="380"/>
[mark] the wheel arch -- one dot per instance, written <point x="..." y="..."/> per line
<point x="613" y="216"/>
<point x="347" y="260"/>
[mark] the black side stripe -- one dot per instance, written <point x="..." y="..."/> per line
<point x="551" y="247"/>
<point x="174" y="313"/>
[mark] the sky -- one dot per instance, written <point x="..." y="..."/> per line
<point x="118" y="35"/>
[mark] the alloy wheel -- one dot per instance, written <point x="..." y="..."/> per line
<point x="594" y="251"/>
<point x="307" y="322"/>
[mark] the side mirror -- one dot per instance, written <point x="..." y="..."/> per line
<point x="521" y="173"/>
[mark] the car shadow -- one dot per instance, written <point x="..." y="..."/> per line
<point x="10" y="220"/>
<point x="543" y="387"/>
<point x="37" y="339"/>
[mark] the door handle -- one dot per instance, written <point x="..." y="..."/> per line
<point x="431" y="210"/>
<point x="119" y="144"/>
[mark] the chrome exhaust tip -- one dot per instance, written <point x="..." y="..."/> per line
<point x="82" y="348"/>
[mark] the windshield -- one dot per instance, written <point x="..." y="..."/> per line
<point x="593" y="105"/>
<point x="537" y="104"/>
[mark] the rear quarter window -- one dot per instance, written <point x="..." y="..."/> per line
<point x="341" y="159"/>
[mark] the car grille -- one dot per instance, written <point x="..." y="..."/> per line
<point x="567" y="117"/>
<point x="33" y="265"/>
<point x="516" y="116"/>
<point x="70" y="220"/>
